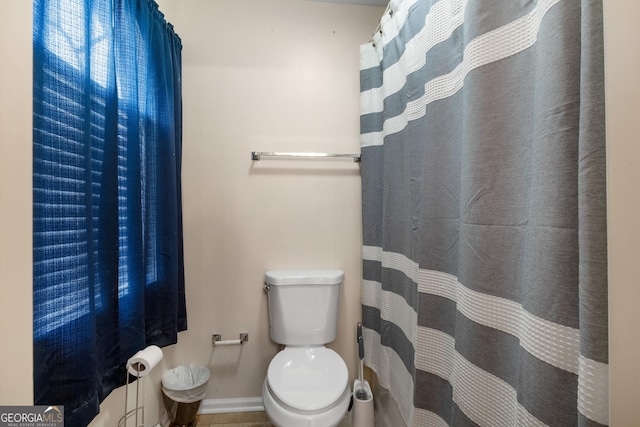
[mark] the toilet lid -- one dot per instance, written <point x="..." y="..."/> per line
<point x="307" y="378"/>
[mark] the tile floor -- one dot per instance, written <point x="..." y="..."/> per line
<point x="241" y="419"/>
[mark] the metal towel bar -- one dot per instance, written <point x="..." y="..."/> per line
<point x="257" y="155"/>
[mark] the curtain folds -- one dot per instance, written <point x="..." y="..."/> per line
<point x="108" y="256"/>
<point x="484" y="212"/>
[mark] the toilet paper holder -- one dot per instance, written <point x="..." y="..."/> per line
<point x="216" y="340"/>
<point x="138" y="366"/>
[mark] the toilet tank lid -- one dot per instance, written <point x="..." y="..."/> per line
<point x="304" y="277"/>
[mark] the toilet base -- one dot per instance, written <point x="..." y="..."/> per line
<point x="281" y="417"/>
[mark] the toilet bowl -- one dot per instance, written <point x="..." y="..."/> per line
<point x="307" y="384"/>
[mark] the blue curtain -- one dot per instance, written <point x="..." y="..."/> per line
<point x="107" y="219"/>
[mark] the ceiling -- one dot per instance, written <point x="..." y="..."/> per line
<point x="381" y="3"/>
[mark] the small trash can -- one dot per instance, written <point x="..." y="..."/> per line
<point x="183" y="388"/>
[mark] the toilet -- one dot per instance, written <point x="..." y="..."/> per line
<point x="307" y="384"/>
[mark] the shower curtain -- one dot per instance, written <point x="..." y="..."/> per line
<point x="484" y="212"/>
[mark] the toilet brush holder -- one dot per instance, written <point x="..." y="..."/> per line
<point x="362" y="404"/>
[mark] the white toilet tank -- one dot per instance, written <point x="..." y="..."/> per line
<point x="304" y="305"/>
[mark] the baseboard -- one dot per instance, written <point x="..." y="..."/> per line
<point x="223" y="406"/>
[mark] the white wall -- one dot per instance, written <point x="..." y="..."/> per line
<point x="622" y="59"/>
<point x="280" y="75"/>
<point x="249" y="86"/>
<point x="16" y="345"/>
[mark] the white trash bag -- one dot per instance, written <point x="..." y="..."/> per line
<point x="186" y="384"/>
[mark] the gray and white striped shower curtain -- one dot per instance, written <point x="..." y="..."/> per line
<point x="484" y="212"/>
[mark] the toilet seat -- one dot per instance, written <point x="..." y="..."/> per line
<point x="307" y="380"/>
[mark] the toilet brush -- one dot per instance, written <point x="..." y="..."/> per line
<point x="363" y="411"/>
<point x="361" y="393"/>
